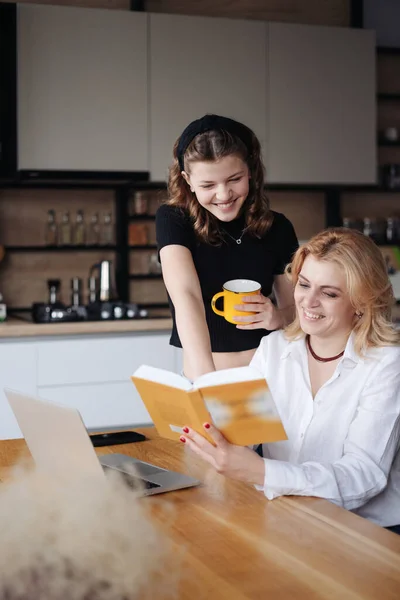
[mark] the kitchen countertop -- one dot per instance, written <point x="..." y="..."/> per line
<point x="14" y="328"/>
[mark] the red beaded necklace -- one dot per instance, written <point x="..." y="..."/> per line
<point x="319" y="358"/>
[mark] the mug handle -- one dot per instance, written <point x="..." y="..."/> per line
<point x="213" y="301"/>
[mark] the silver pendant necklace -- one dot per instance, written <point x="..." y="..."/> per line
<point x="239" y="239"/>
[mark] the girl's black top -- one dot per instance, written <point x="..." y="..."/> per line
<point x="259" y="259"/>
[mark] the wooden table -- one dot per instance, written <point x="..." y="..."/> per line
<point x="238" y="545"/>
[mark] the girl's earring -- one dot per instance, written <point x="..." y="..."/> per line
<point x="359" y="314"/>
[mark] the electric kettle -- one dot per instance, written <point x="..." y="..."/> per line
<point x="105" y="279"/>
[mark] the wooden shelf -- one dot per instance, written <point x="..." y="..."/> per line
<point x="146" y="276"/>
<point x="59" y="248"/>
<point x="140" y="217"/>
<point x="389" y="97"/>
<point x="388" y="50"/>
<point x="294" y="187"/>
<point x="153" y="305"/>
<point x="373" y="189"/>
<point x="144" y="247"/>
<point x="389" y="144"/>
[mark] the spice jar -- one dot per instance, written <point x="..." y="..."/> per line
<point x="154" y="264"/>
<point x="137" y="234"/>
<point x="139" y="203"/>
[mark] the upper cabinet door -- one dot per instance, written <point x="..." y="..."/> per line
<point x="321" y="105"/>
<point x="202" y="65"/>
<point x="82" y="89"/>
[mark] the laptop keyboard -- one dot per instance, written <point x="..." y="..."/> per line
<point x="134" y="482"/>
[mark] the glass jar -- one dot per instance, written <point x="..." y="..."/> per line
<point x="107" y="233"/>
<point x="79" y="229"/>
<point x="140" y="203"/>
<point x="51" y="229"/>
<point x="393" y="231"/>
<point x="93" y="234"/>
<point x="65" y="231"/>
<point x="154" y="265"/>
<point x="375" y="229"/>
<point x="138" y="234"/>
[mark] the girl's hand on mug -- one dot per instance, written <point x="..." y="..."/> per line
<point x="265" y="314"/>
<point x="236" y="462"/>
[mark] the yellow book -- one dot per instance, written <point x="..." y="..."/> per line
<point x="238" y="402"/>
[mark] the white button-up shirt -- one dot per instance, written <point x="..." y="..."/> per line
<point x="343" y="445"/>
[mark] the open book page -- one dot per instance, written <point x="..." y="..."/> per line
<point x="163" y="376"/>
<point x="237" y="401"/>
<point x="227" y="376"/>
<point x="244" y="412"/>
<point x="171" y="408"/>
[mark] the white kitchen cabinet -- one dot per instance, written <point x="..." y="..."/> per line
<point x="93" y="374"/>
<point x="99" y="359"/>
<point x="18" y="372"/>
<point x="321" y="105"/>
<point x="102" y="405"/>
<point x="82" y="89"/>
<point x="202" y="65"/>
<point x="89" y="372"/>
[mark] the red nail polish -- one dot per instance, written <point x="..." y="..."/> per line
<point x="182" y="439"/>
<point x="185" y="429"/>
<point x="207" y="425"/>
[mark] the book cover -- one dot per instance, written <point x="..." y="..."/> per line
<point x="238" y="402"/>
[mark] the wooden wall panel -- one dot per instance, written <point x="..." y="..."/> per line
<point x="23" y="213"/>
<point x="388" y="115"/>
<point x="139" y="261"/>
<point x="318" y="12"/>
<point x="148" y="291"/>
<point x="306" y="211"/>
<point x="379" y="205"/>
<point x="388" y="74"/>
<point x="389" y="155"/>
<point x="23" y="276"/>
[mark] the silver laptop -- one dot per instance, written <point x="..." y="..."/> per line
<point x="58" y="441"/>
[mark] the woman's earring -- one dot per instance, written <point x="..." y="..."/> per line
<point x="359" y="314"/>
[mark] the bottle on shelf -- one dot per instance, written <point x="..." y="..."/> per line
<point x="93" y="234"/>
<point x="65" y="231"/>
<point x="76" y="290"/>
<point x="138" y="234"/>
<point x="3" y="309"/>
<point x="140" y="206"/>
<point x="346" y="222"/>
<point x="107" y="231"/>
<point x="92" y="290"/>
<point x="50" y="235"/>
<point x="393" y="230"/>
<point x="375" y="229"/>
<point x="154" y="267"/>
<point x="353" y="223"/>
<point x="54" y="288"/>
<point x="79" y="229"/>
<point x="367" y="226"/>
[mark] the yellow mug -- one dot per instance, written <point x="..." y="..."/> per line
<point x="234" y="290"/>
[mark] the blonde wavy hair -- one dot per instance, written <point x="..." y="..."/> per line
<point x="368" y="284"/>
<point x="86" y="539"/>
<point x="212" y="146"/>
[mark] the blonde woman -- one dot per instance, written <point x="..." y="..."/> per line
<point x="334" y="374"/>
